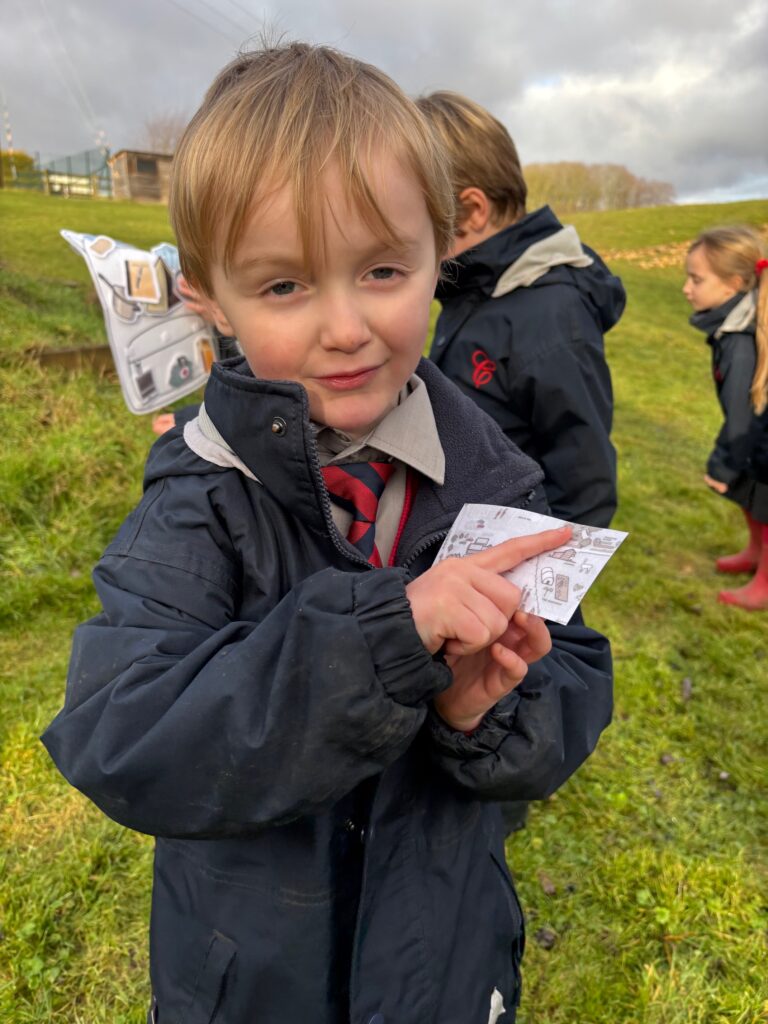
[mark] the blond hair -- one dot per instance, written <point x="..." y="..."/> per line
<point x="733" y="251"/>
<point x="481" y="151"/>
<point x="278" y="116"/>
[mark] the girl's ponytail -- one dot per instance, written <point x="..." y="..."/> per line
<point x="759" y="391"/>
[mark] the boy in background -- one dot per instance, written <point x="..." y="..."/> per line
<point x="313" y="719"/>
<point x="525" y="307"/>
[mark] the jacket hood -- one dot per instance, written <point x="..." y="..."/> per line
<point x="736" y="316"/>
<point x="536" y="252"/>
<point x="266" y="425"/>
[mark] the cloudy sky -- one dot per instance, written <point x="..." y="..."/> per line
<point x="676" y="90"/>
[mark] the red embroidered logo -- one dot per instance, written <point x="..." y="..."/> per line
<point x="484" y="368"/>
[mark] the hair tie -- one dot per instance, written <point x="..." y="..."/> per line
<point x="760" y="267"/>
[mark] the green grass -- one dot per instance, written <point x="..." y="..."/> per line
<point x="661" y="225"/>
<point x="655" y="849"/>
<point x="46" y="294"/>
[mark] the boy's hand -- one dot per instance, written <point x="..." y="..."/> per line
<point x="716" y="485"/>
<point x="164" y="422"/>
<point x="481" y="680"/>
<point x="464" y="603"/>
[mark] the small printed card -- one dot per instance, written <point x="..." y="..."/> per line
<point x="554" y="583"/>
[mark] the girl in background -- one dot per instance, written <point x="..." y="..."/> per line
<point x="730" y="302"/>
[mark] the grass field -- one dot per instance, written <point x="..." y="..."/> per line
<point x="646" y="874"/>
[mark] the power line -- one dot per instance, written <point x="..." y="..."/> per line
<point x="241" y="8"/>
<point x="191" y="14"/>
<point x="220" y="14"/>
<point x="72" y="80"/>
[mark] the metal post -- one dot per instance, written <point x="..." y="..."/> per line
<point x="8" y="137"/>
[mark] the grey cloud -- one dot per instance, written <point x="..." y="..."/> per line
<point x="700" y="128"/>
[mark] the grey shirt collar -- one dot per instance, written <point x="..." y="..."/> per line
<point x="408" y="433"/>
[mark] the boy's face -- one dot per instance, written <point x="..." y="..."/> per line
<point x="350" y="326"/>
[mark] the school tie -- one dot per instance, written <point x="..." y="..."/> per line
<point x="357" y="488"/>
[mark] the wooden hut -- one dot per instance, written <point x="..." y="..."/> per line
<point x="139" y="175"/>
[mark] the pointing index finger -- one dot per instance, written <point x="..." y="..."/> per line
<point x="505" y="556"/>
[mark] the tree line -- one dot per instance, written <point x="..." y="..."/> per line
<point x="572" y="187"/>
<point x="567" y="186"/>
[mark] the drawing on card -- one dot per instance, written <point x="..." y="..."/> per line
<point x="604" y="544"/>
<point x="553" y="583"/>
<point x="582" y="535"/>
<point x="561" y="587"/>
<point x="162" y="351"/>
<point x="565" y="554"/>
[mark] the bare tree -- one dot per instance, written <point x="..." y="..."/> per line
<point x="161" y="132"/>
<point x="571" y="187"/>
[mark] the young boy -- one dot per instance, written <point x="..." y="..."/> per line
<point x="525" y="307"/>
<point x="316" y="741"/>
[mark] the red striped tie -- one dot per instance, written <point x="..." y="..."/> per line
<point x="357" y="488"/>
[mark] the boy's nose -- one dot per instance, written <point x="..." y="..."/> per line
<point x="345" y="326"/>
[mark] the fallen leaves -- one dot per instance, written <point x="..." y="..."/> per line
<point x="648" y="257"/>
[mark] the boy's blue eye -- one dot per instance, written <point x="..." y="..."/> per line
<point x="383" y="273"/>
<point x="283" y="288"/>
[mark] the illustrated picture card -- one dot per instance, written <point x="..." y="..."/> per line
<point x="162" y="351"/>
<point x="553" y="584"/>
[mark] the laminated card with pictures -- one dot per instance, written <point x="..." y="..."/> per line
<point x="553" y="583"/>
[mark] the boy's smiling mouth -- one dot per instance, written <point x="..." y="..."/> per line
<point x="349" y="381"/>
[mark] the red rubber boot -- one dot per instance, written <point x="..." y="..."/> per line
<point x="746" y="560"/>
<point x="754" y="596"/>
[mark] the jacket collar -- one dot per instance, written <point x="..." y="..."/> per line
<point x="266" y="423"/>
<point x="735" y="316"/>
<point x="563" y="248"/>
<point x="480" y="268"/>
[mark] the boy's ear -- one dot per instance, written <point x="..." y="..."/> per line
<point x="217" y="316"/>
<point x="476" y="209"/>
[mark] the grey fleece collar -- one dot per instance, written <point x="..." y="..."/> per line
<point x="562" y="247"/>
<point x="203" y="438"/>
<point x="740" y="317"/>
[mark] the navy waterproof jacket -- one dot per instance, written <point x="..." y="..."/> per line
<point x="733" y="366"/>
<point x="257" y="696"/>
<point x="735" y="458"/>
<point x="534" y="360"/>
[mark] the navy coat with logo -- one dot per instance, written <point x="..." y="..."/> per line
<point x="534" y="360"/>
<point x="256" y="696"/>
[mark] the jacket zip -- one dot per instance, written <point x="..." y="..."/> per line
<point x="433" y="538"/>
<point x="347" y="550"/>
<point x="440" y="535"/>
